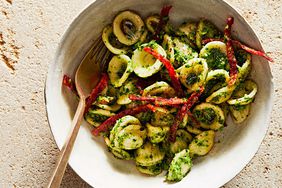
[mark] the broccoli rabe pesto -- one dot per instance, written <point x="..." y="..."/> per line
<point x="98" y="117"/>
<point x="192" y="78"/>
<point x="206" y="115"/>
<point x="216" y="59"/>
<point x="180" y="166"/>
<point x="168" y="92"/>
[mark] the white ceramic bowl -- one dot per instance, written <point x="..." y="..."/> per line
<point x="90" y="158"/>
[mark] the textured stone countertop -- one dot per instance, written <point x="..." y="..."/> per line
<point x="30" y="31"/>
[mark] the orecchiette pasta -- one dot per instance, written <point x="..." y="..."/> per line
<point x="193" y="74"/>
<point x="127" y="133"/>
<point x="168" y="91"/>
<point x="149" y="154"/>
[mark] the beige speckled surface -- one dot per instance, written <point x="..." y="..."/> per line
<point x="30" y="31"/>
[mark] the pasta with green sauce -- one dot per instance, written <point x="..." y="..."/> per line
<point x="138" y="78"/>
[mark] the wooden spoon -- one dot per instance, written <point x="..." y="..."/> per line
<point x="86" y="78"/>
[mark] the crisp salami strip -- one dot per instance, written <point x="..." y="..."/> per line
<point x="184" y="110"/>
<point x="242" y="46"/>
<point x="69" y="84"/>
<point x="179" y="118"/>
<point x="230" y="52"/>
<point x="251" y="50"/>
<point x="159" y="101"/>
<point x="96" y="91"/>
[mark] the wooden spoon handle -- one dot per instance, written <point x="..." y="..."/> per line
<point x="67" y="148"/>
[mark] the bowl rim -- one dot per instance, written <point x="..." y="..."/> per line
<point x="96" y="3"/>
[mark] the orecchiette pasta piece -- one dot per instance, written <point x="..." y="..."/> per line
<point x="209" y="116"/>
<point x="180" y="166"/>
<point x="161" y="88"/>
<point x="121" y="124"/>
<point x="218" y="74"/>
<point x="182" y="52"/>
<point x="149" y="154"/>
<point x="144" y="64"/>
<point x="193" y="74"/>
<point x="216" y="79"/>
<point x="131" y="137"/>
<point x="249" y="88"/>
<point x="215" y="55"/>
<point x="152" y="22"/>
<point x="156" y="134"/>
<point x="119" y="69"/>
<point x="162" y="117"/>
<point x="189" y="30"/>
<point x="221" y="95"/>
<point x="111" y="42"/>
<point x="206" y="30"/>
<point x="96" y="116"/>
<point x="239" y="113"/>
<point x="202" y="143"/>
<point x="152" y="170"/>
<point x="117" y="152"/>
<point x="112" y="108"/>
<point x="128" y="27"/>
<point x="193" y="130"/>
<point x="183" y="138"/>
<point x="127" y="133"/>
<point x="129" y="87"/>
<point x="169" y="47"/>
<point x="244" y="64"/>
<point x="193" y="126"/>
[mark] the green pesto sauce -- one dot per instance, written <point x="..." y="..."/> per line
<point x="121" y="70"/>
<point x="239" y="107"/>
<point x="210" y="85"/>
<point x="151" y="170"/>
<point x="219" y="96"/>
<point x="121" y="154"/>
<point x="125" y="136"/>
<point x="167" y="118"/>
<point x="176" y="171"/>
<point x="192" y="78"/>
<point x="202" y="143"/>
<point x="156" y="168"/>
<point x="241" y="56"/>
<point x="178" y="146"/>
<point x="157" y="137"/>
<point x="152" y="44"/>
<point x="182" y="58"/>
<point x="97" y="117"/>
<point x="145" y="117"/>
<point x="129" y="88"/>
<point x="206" y="115"/>
<point x="209" y="30"/>
<point x="216" y="59"/>
<point x="122" y="138"/>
